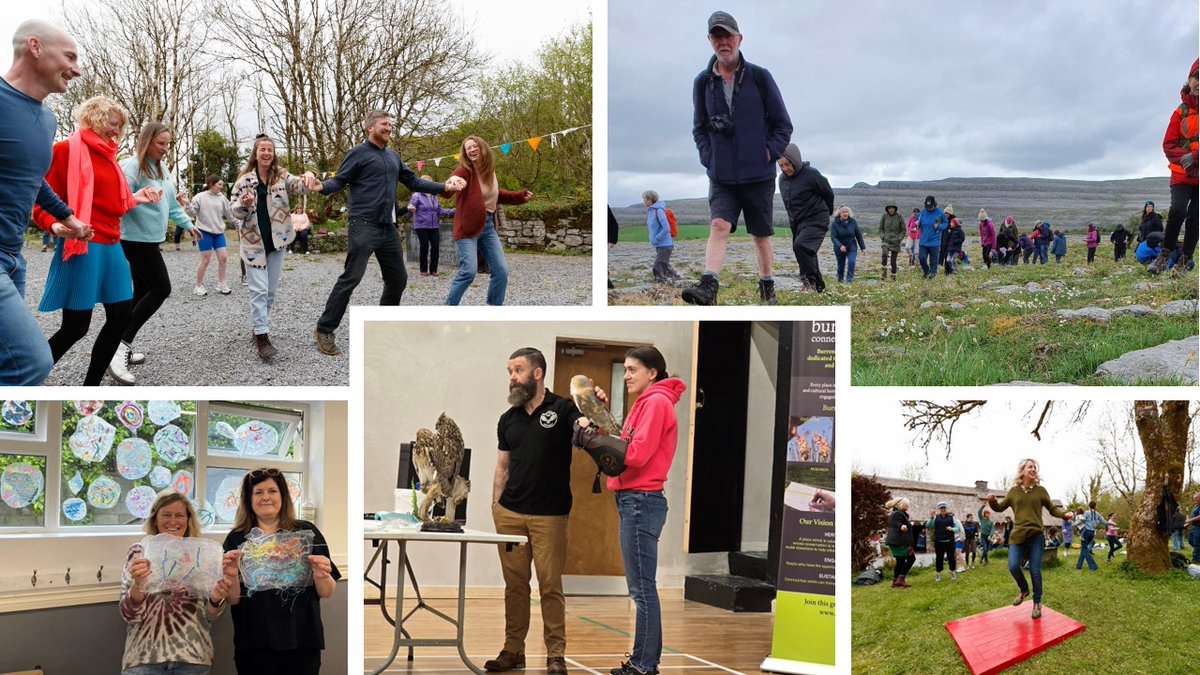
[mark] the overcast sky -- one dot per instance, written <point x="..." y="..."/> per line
<point x="989" y="442"/>
<point x="888" y="90"/>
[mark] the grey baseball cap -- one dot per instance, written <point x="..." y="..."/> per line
<point x="723" y="20"/>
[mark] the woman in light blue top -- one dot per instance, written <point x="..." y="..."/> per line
<point x="142" y="230"/>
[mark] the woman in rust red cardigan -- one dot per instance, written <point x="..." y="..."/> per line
<point x="474" y="221"/>
<point x="85" y="173"/>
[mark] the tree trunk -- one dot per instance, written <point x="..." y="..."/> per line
<point x="1164" y="434"/>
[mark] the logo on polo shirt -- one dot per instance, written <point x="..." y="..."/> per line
<point x="548" y="419"/>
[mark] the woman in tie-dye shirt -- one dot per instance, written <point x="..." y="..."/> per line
<point x="169" y="631"/>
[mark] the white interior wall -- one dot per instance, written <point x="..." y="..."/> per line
<point x="760" y="435"/>
<point x="415" y="371"/>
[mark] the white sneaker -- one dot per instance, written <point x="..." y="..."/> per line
<point x="200" y="291"/>
<point x="953" y="576"/>
<point x="118" y="368"/>
<point x="223" y="289"/>
<point x="938" y="578"/>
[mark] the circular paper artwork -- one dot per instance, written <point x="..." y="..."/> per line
<point x="133" y="458"/>
<point x="205" y="515"/>
<point x="131" y="415"/>
<point x="172" y="444"/>
<point x="93" y="438"/>
<point x="229" y="495"/>
<point x="86" y="408"/>
<point x="226" y="430"/>
<point x="75" y="509"/>
<point x="75" y="483"/>
<point x="16" y="413"/>
<point x="162" y="412"/>
<point x="103" y="493"/>
<point x="256" y="438"/>
<point x="182" y="481"/>
<point x="160" y="477"/>
<point x="21" y="484"/>
<point x="139" y="500"/>
<point x="293" y="484"/>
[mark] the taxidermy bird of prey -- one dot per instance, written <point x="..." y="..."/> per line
<point x="583" y="390"/>
<point x="438" y="456"/>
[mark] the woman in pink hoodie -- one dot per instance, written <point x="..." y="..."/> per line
<point x="650" y="435"/>
<point x="987" y="237"/>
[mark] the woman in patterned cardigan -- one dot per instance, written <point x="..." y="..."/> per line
<point x="169" y="631"/>
<point x="260" y="203"/>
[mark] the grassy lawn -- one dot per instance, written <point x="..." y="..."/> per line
<point x="992" y="337"/>
<point x="1133" y="625"/>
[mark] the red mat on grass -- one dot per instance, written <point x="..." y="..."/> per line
<point x="995" y="640"/>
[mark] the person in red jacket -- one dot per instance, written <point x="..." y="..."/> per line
<point x="1180" y="146"/>
<point x="650" y="434"/>
<point x="475" y="221"/>
<point x="85" y="173"/>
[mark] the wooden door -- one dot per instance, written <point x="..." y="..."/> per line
<point x="593" y="548"/>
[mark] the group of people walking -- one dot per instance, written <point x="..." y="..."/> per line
<point x="111" y="217"/>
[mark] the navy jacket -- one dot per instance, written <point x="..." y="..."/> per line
<point x="372" y="173"/>
<point x="761" y="126"/>
<point x="846" y="234"/>
<point x="954" y="240"/>
<point x="806" y="195"/>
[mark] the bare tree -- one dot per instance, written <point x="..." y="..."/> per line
<point x="1119" y="457"/>
<point x="153" y="57"/>
<point x="936" y="420"/>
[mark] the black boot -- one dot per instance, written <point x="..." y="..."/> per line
<point x="766" y="291"/>
<point x="703" y="292"/>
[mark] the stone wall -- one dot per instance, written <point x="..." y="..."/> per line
<point x="551" y="234"/>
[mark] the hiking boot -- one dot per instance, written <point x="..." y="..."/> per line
<point x="904" y="582"/>
<point x="1181" y="265"/>
<point x="136" y="358"/>
<point x="556" y="664"/>
<point x="703" y="292"/>
<point x="1037" y="610"/>
<point x="883" y="277"/>
<point x="265" y="349"/>
<point x="1020" y="598"/>
<point x="627" y="668"/>
<point x="118" y="368"/>
<point x="325" y="343"/>
<point x="1160" y="263"/>
<point x="506" y="660"/>
<point x="766" y="291"/>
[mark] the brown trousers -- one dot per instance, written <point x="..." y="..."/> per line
<point x="547" y="549"/>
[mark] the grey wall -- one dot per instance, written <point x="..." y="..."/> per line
<point x="91" y="639"/>
<point x="760" y="435"/>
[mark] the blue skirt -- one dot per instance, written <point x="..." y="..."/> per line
<point x="100" y="276"/>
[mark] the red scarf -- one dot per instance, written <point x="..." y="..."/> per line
<point x="81" y="181"/>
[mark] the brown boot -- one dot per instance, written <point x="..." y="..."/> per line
<point x="265" y="349"/>
<point x="325" y="343"/>
<point x="1181" y="266"/>
<point x="1160" y="263"/>
<point x="556" y="664"/>
<point x="505" y="661"/>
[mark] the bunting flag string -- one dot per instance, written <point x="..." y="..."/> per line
<point x="507" y="148"/>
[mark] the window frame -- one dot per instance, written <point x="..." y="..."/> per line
<point x="49" y="415"/>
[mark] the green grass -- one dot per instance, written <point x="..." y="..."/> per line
<point x="1133" y="625"/>
<point x="641" y="234"/>
<point x="994" y="338"/>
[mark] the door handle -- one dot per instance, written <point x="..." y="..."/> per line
<point x="699" y="398"/>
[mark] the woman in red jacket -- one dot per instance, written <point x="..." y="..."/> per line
<point x="650" y="433"/>
<point x="1180" y="146"/>
<point x="85" y="173"/>
<point x="474" y="221"/>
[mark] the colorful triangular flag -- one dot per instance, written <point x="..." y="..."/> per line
<point x="437" y="161"/>
<point x="533" y="142"/>
<point x="420" y="164"/>
<point x="457" y="156"/>
<point x="505" y="147"/>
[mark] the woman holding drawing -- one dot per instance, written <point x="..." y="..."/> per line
<point x="169" y="631"/>
<point x="278" y="630"/>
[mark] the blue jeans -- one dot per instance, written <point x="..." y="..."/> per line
<point x="642" y="516"/>
<point x="488" y="242"/>
<point x="1087" y="539"/>
<point x="1194" y="540"/>
<point x="928" y="256"/>
<point x="1033" y="547"/>
<point x="1177" y="540"/>
<point x="1041" y="250"/>
<point x="168" y="668"/>
<point x="987" y="546"/>
<point x="845" y="260"/>
<point x="25" y="358"/>
<point x="262" y="283"/>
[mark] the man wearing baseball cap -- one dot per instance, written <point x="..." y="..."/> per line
<point x="741" y="128"/>
<point x="941" y="528"/>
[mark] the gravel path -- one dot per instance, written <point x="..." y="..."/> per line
<point x="207" y="340"/>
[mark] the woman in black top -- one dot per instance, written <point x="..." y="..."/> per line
<point x="900" y="540"/>
<point x="278" y="631"/>
<point x="1151" y="222"/>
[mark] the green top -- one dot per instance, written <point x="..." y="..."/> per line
<point x="1027" y="511"/>
<point x="985" y="524"/>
